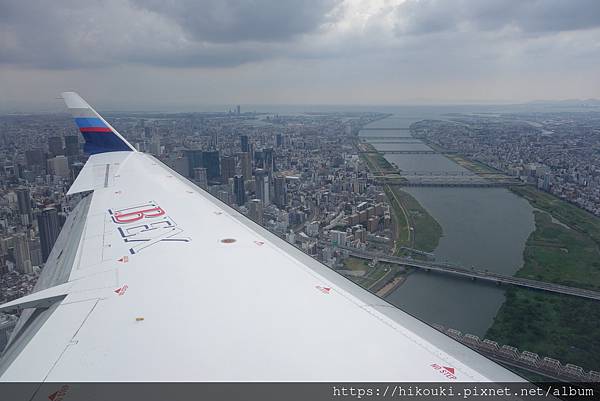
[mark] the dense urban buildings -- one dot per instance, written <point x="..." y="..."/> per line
<point x="557" y="152"/>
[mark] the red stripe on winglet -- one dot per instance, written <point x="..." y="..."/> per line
<point x="95" y="129"/>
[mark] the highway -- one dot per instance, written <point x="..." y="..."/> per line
<point x="475" y="274"/>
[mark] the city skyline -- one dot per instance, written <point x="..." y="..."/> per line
<point x="196" y="55"/>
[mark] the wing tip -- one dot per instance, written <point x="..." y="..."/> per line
<point x="99" y="135"/>
<point x="74" y="101"/>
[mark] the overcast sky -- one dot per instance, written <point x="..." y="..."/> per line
<point x="153" y="54"/>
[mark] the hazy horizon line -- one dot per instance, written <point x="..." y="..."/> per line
<point x="37" y="108"/>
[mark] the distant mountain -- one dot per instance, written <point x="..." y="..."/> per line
<point x="568" y="102"/>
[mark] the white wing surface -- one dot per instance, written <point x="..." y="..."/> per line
<point x="153" y="279"/>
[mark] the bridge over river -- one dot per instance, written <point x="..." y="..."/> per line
<point x="368" y="139"/>
<point x="475" y="274"/>
<point x="384" y="129"/>
<point x="467" y="181"/>
<point x="407" y="152"/>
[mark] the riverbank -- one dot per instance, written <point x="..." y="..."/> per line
<point x="426" y="231"/>
<point x="391" y="286"/>
<point x="567" y="213"/>
<point x="562" y="327"/>
<point x="564" y="248"/>
<point x="375" y="161"/>
<point x="412" y="227"/>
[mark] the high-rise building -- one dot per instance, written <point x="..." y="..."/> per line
<point x="224" y="196"/>
<point x="200" y="177"/>
<point x="49" y="226"/>
<point x="22" y="257"/>
<point x="280" y="191"/>
<point x="7" y="325"/>
<point x="312" y="229"/>
<point x="55" y="146"/>
<point x="179" y="164"/>
<point x="255" y="210"/>
<point x="259" y="159"/>
<point x="227" y="167"/>
<point x="279" y="140"/>
<point x="338" y="237"/>
<point x="238" y="110"/>
<point x="35" y="252"/>
<point x="268" y="159"/>
<point x="238" y="190"/>
<point x="76" y="169"/>
<point x="262" y="186"/>
<point x="23" y="200"/>
<point x="155" y="147"/>
<point x="3" y="267"/>
<point x="34" y="157"/>
<point x="246" y="165"/>
<point x="211" y="162"/>
<point x="71" y="145"/>
<point x="251" y="150"/>
<point x="59" y="166"/>
<point x="194" y="159"/>
<point x="244" y="143"/>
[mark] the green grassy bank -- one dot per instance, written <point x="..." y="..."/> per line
<point x="562" y="327"/>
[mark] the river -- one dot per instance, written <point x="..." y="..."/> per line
<point x="482" y="227"/>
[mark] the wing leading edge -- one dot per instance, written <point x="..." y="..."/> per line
<point x="170" y="284"/>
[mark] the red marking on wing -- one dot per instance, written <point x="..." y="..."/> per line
<point x="138" y="215"/>
<point x="120" y="291"/>
<point x="324" y="290"/>
<point x="95" y="129"/>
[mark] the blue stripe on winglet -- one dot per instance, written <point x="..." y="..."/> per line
<point x="83" y="122"/>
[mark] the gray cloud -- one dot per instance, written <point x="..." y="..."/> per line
<point x="314" y="51"/>
<point x="526" y="16"/>
<point x="236" y="21"/>
<point x="74" y="34"/>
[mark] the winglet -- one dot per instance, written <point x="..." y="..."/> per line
<point x="100" y="136"/>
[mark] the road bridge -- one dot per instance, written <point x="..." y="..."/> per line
<point x="395" y="142"/>
<point x="480" y="183"/>
<point x="397" y="138"/>
<point x="406" y="152"/>
<point x="474" y="274"/>
<point x="383" y="129"/>
<point x="437" y="173"/>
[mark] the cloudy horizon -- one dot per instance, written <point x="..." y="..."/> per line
<point x="152" y="54"/>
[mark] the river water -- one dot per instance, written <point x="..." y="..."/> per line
<point x="482" y="227"/>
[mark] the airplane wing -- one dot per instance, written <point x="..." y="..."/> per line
<point x="153" y="279"/>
